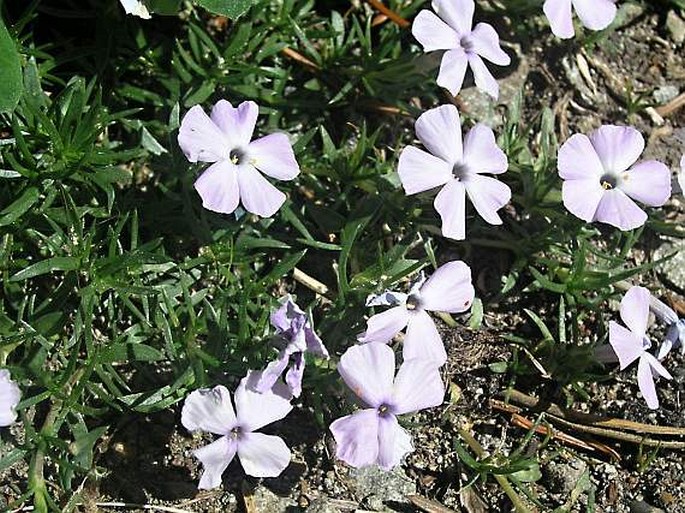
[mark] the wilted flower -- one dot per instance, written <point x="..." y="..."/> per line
<point x="136" y="7"/>
<point x="599" y="181"/>
<point x="238" y="164"/>
<point x="675" y="336"/>
<point x="451" y="31"/>
<point x="449" y="289"/>
<point x="211" y="410"/>
<point x="373" y="435"/>
<point x="633" y="344"/>
<point x="9" y="398"/>
<point x="457" y="168"/>
<point x="593" y="14"/>
<point x="293" y="327"/>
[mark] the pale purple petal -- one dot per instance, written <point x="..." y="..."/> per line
<point x="485" y="42"/>
<point x="595" y="14"/>
<point x="136" y="8"/>
<point x="215" y="457"/>
<point x="457" y="13"/>
<point x="394" y="443"/>
<point x="237" y="124"/>
<point x="356" y="437"/>
<point x="656" y="365"/>
<point x="433" y="33"/>
<point x="9" y="398"/>
<point x="627" y="346"/>
<point x="423" y="340"/>
<point x="273" y="155"/>
<point x="293" y="377"/>
<point x="664" y="348"/>
<point x="266" y="379"/>
<point x="386" y="298"/>
<point x="578" y="160"/>
<point x="315" y="344"/>
<point x="420" y="171"/>
<point x="255" y="410"/>
<point x="482" y="76"/>
<point x="453" y="70"/>
<point x="439" y="130"/>
<point x="488" y="195"/>
<point x="481" y="153"/>
<point x="560" y="17"/>
<point x="645" y="381"/>
<point x="259" y="196"/>
<point x="287" y="316"/>
<point x="417" y="386"/>
<point x="200" y="139"/>
<point x="369" y="370"/>
<point x="384" y="326"/>
<point x="451" y="205"/>
<point x="218" y="187"/>
<point x="648" y="182"/>
<point x="618" y="210"/>
<point x="618" y="147"/>
<point x="582" y="197"/>
<point x="209" y="409"/>
<point x="635" y="310"/>
<point x="449" y="289"/>
<point x="681" y="175"/>
<point x="263" y="455"/>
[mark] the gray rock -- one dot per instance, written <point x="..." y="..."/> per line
<point x="673" y="270"/>
<point x="665" y="94"/>
<point x="643" y="507"/>
<point x="377" y="487"/>
<point x="676" y="27"/>
<point x="322" y="505"/>
<point x="563" y="477"/>
<point x="267" y="501"/>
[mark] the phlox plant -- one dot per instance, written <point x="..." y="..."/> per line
<point x="228" y="213"/>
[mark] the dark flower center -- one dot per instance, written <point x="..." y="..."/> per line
<point x="460" y="171"/>
<point x="466" y="44"/>
<point x="236" y="432"/>
<point x="237" y="156"/>
<point x="608" y="181"/>
<point x="384" y="410"/>
<point x="413" y="302"/>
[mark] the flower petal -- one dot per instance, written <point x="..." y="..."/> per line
<point x="314" y="343"/>
<point x="384" y="326"/>
<point x="259" y="196"/>
<point x="451" y="205"/>
<point x="263" y="455"/>
<point x="648" y="182"/>
<point x="394" y="443"/>
<point x="136" y="7"/>
<point x="635" y="310"/>
<point x="627" y="346"/>
<point x="488" y="195"/>
<point x="273" y="155"/>
<point x="433" y="33"/>
<point x="482" y="76"/>
<point x="595" y="14"/>
<point x="582" y="197"/>
<point x="369" y="370"/>
<point x="453" y="70"/>
<point x="293" y="377"/>
<point x="481" y="153"/>
<point x="200" y="139"/>
<point x="656" y="366"/>
<point x="9" y="398"/>
<point x="439" y="130"/>
<point x="265" y="380"/>
<point x="681" y="175"/>
<point x="645" y="381"/>
<point x="448" y="289"/>
<point x="617" y="209"/>
<point x="215" y="458"/>
<point x="423" y="341"/>
<point x="457" y="13"/>
<point x="218" y="187"/>
<point x="420" y="171"/>
<point x="255" y="410"/>
<point x="236" y="123"/>
<point x="417" y="386"/>
<point x="486" y="44"/>
<point x="209" y="409"/>
<point x="578" y="160"/>
<point x="618" y="147"/>
<point x="356" y="437"/>
<point x="560" y="17"/>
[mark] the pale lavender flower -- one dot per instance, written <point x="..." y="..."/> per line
<point x="9" y="398"/>
<point x="451" y="30"/>
<point x="294" y="328"/>
<point x="593" y="14"/>
<point x="237" y="164"/>
<point x="373" y="435"/>
<point x="634" y="344"/>
<point x="675" y="335"/>
<point x="211" y="410"/>
<point x="457" y="168"/>
<point x="681" y="175"/>
<point x="599" y="181"/>
<point x="449" y="289"/>
<point x="136" y="7"/>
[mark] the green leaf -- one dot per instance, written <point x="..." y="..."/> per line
<point x="10" y="77"/>
<point x="229" y="8"/>
<point x="20" y="206"/>
<point x="47" y="266"/>
<point x="131" y="352"/>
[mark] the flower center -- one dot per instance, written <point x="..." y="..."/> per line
<point x="413" y="302"/>
<point x="237" y="156"/>
<point x="608" y="181"/>
<point x="384" y="410"/>
<point x="460" y="171"/>
<point x="236" y="432"/>
<point x="466" y="43"/>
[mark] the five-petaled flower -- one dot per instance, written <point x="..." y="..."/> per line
<point x="633" y="344"/>
<point x="599" y="181"/>
<point x="451" y="30"/>
<point x="373" y="435"/>
<point x="9" y="398"/>
<point x="237" y="164"/>
<point x="136" y="7"/>
<point x="293" y="327"/>
<point x="449" y="289"/>
<point x="211" y="410"/>
<point x="593" y="14"/>
<point x="457" y="168"/>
